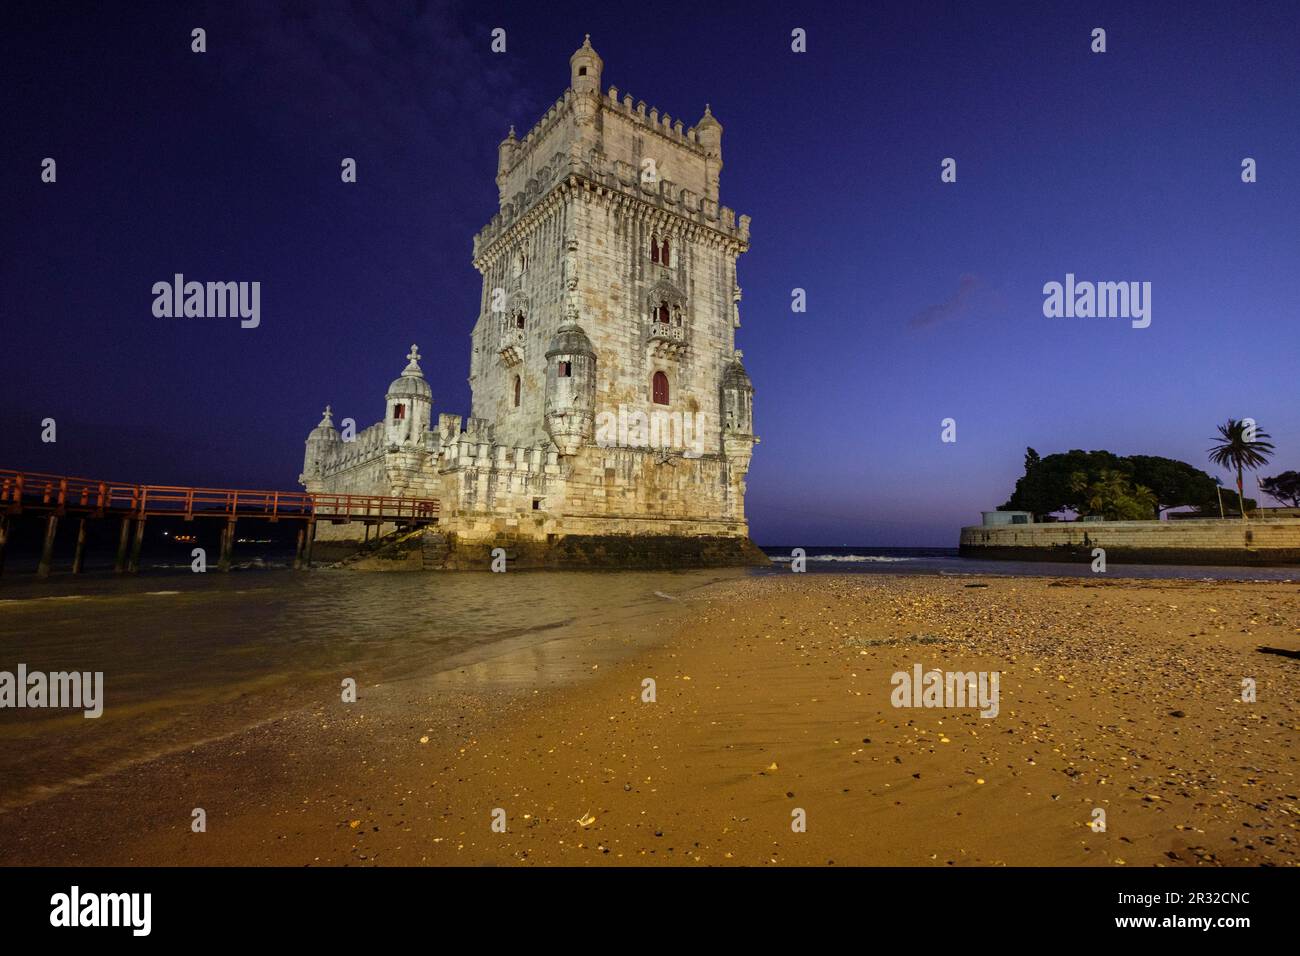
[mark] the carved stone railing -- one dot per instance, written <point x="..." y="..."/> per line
<point x="667" y="333"/>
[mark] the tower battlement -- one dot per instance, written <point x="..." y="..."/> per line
<point x="599" y="129"/>
<point x="636" y="111"/>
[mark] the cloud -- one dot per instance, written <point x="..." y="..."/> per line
<point x="971" y="290"/>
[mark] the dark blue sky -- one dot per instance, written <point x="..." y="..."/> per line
<point x="924" y="298"/>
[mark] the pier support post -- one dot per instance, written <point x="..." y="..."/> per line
<point x="136" y="545"/>
<point x="4" y="536"/>
<point x="47" y="547"/>
<point x="227" y="545"/>
<point x="123" y="541"/>
<point x="79" y="555"/>
<point x="311" y="536"/>
<point x="297" y="554"/>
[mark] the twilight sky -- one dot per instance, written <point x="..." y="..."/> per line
<point x="924" y="298"/>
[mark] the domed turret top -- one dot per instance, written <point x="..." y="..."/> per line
<point x="735" y="376"/>
<point x="411" y="382"/>
<point x="325" y="429"/>
<point x="708" y="119"/>
<point x="570" y="339"/>
<point x="586" y="49"/>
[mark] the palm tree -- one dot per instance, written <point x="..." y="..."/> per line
<point x="1239" y="448"/>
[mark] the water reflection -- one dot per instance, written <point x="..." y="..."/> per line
<point x="190" y="657"/>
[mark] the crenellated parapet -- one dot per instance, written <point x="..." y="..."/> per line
<point x="366" y="446"/>
<point x="651" y="121"/>
<point x="466" y="452"/>
<point x="516" y="151"/>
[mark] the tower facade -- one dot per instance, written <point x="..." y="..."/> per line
<point x="608" y="396"/>
<point x="609" y="211"/>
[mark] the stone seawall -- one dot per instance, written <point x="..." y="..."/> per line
<point x="435" y="550"/>
<point x="1193" y="541"/>
<point x="607" y="552"/>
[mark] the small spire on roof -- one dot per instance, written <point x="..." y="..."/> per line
<point x="413" y="365"/>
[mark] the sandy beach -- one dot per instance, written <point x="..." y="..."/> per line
<point x="772" y="703"/>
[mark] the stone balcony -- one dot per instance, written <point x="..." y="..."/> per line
<point x="510" y="346"/>
<point x="668" y="340"/>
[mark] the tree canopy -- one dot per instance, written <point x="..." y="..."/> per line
<point x="1284" y="488"/>
<point x="1103" y="483"/>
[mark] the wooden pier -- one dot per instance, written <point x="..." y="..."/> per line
<point x="59" y="496"/>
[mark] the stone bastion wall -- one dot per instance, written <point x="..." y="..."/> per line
<point x="1229" y="541"/>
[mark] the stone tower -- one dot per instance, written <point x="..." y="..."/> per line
<point x="609" y="221"/>
<point x="611" y="417"/>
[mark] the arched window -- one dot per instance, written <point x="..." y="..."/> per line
<point x="654" y="249"/>
<point x="660" y="388"/>
<point x="519" y="320"/>
<point x="518" y="385"/>
<point x="663" y="252"/>
<point x="663" y="312"/>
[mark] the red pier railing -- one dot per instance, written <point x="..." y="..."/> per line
<point x="33" y="491"/>
<point x="58" y="495"/>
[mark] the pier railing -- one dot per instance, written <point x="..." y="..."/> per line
<point x="85" y="498"/>
<point x="33" y="491"/>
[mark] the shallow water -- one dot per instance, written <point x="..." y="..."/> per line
<point x="859" y="560"/>
<point x="194" y="657"/>
<point x="191" y="657"/>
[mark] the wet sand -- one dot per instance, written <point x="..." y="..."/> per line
<point x="773" y="695"/>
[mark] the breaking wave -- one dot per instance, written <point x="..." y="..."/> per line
<point x="845" y="557"/>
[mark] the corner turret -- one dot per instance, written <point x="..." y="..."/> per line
<point x="321" y="442"/>
<point x="584" y="68"/>
<point x="738" y="439"/>
<point x="410" y="404"/>
<point x="506" y="152"/>
<point x="708" y="133"/>
<point x="737" y="400"/>
<point x="570" y="389"/>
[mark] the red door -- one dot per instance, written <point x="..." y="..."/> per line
<point x="661" y="388"/>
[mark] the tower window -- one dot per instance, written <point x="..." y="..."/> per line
<point x="565" y="370"/>
<point x="518" y="386"/>
<point x="582" y="71"/>
<point x="663" y="252"/>
<point x="660" y="388"/>
<point x="399" y="412"/>
<point x="654" y="249"/>
<point x="519" y="320"/>
<point x="663" y="312"/>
